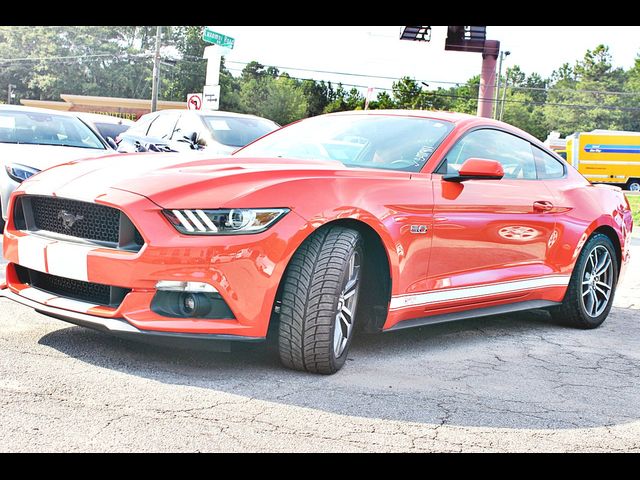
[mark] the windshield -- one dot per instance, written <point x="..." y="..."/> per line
<point x="387" y="142"/>
<point x="35" y="128"/>
<point x="238" y="131"/>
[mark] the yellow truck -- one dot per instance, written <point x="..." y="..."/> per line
<point x="606" y="156"/>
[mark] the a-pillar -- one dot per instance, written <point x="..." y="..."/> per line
<point x="487" y="78"/>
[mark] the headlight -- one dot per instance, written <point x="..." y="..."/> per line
<point x="19" y="173"/>
<point x="224" y="222"/>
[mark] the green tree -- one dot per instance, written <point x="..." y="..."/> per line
<point x="286" y="101"/>
<point x="407" y="94"/>
<point x="383" y="101"/>
<point x="317" y="95"/>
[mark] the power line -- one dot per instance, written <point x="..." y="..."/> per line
<point x="606" y="92"/>
<point x="436" y="93"/>
<point x="330" y="72"/>
<point x="474" y="98"/>
<point x="341" y="73"/>
<point x="68" y="57"/>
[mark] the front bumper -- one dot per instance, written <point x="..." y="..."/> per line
<point x="244" y="269"/>
<point x="119" y="326"/>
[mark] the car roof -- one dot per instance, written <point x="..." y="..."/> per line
<point x="459" y="119"/>
<point x="453" y="117"/>
<point x="22" y="108"/>
<point x="203" y="113"/>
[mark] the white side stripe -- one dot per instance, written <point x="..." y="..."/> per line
<point x="68" y="260"/>
<point x="402" y="301"/>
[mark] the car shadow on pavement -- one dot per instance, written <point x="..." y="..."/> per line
<point x="518" y="371"/>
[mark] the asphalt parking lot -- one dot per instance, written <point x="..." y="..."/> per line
<point x="506" y="383"/>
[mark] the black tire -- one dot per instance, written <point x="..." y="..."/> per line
<point x="573" y="312"/>
<point x="312" y="291"/>
<point x="2" y="222"/>
<point x="633" y="185"/>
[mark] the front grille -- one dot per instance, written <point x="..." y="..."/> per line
<point x="75" y="289"/>
<point x="93" y="221"/>
<point x="90" y="222"/>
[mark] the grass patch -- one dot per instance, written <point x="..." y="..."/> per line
<point x="634" y="200"/>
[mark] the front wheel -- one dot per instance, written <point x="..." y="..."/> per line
<point x="593" y="283"/>
<point x="2" y="222"/>
<point x="319" y="301"/>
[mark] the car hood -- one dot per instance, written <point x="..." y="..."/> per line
<point x="184" y="180"/>
<point x="42" y="157"/>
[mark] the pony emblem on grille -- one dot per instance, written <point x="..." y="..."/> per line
<point x="68" y="219"/>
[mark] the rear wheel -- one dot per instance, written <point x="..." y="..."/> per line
<point x="634" y="184"/>
<point x="319" y="301"/>
<point x="590" y="294"/>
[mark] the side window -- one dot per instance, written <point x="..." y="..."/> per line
<point x="162" y="127"/>
<point x="512" y="152"/>
<point x="547" y="166"/>
<point x="141" y="127"/>
<point x="187" y="124"/>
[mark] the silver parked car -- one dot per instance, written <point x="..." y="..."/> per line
<point x="33" y="139"/>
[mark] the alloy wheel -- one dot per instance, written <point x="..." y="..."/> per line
<point x="347" y="303"/>
<point x="597" y="281"/>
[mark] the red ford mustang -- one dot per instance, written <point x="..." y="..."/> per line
<point x="373" y="220"/>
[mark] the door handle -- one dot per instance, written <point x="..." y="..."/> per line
<point x="542" y="206"/>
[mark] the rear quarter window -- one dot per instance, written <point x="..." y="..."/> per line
<point x="546" y="165"/>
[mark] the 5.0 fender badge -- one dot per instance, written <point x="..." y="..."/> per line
<point x="418" y="229"/>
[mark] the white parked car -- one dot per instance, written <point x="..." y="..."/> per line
<point x="216" y="132"/>
<point x="34" y="139"/>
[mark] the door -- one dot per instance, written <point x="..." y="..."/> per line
<point x="492" y="233"/>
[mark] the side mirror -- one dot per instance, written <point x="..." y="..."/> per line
<point x="477" y="169"/>
<point x="112" y="143"/>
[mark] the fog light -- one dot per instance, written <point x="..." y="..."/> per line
<point x="189" y="304"/>
<point x="194" y="304"/>
<point x="176" y="304"/>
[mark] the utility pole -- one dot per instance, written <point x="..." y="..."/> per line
<point x="10" y="93"/>
<point x="497" y="99"/>
<point x="504" y="94"/>
<point x="156" y="72"/>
